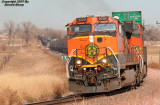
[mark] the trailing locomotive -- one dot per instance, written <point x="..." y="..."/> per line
<point x="105" y="53"/>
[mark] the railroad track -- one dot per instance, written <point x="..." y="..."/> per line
<point x="68" y="99"/>
<point x="71" y="98"/>
<point x="80" y="97"/>
<point x="63" y="100"/>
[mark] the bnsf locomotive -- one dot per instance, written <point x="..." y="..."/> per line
<point x="105" y="53"/>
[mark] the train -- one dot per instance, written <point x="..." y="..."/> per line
<point x="56" y="44"/>
<point x="105" y="53"/>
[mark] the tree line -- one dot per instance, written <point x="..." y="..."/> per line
<point x="27" y="31"/>
<point x="151" y="33"/>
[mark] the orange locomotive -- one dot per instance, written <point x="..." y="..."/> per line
<point x="104" y="54"/>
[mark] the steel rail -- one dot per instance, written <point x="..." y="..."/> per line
<point x="63" y="100"/>
<point x="68" y="99"/>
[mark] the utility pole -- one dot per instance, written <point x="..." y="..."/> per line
<point x="157" y="23"/>
<point x="159" y="49"/>
<point x="159" y="56"/>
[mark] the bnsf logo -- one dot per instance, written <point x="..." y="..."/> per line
<point x="92" y="50"/>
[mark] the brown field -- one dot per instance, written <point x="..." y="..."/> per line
<point x="153" y="54"/>
<point x="151" y="43"/>
<point x="32" y="75"/>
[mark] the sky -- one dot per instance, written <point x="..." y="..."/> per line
<point x="57" y="13"/>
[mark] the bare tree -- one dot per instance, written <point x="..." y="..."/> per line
<point x="26" y="26"/>
<point x="9" y="27"/>
<point x="34" y="31"/>
<point x="52" y="33"/>
<point x="30" y="31"/>
<point x="152" y="33"/>
<point x="18" y="30"/>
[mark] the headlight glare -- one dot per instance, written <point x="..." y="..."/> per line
<point x="78" y="62"/>
<point x="104" y="61"/>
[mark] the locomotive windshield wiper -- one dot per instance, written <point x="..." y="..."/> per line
<point x="106" y="23"/>
<point x="96" y="25"/>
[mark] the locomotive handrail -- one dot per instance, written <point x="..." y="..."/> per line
<point x="118" y="64"/>
<point x="141" y="59"/>
<point x="68" y="61"/>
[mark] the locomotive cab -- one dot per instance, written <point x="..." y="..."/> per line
<point x="100" y="50"/>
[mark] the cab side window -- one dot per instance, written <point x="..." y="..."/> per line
<point x="136" y="31"/>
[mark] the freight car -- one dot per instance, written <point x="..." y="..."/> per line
<point x="44" y="40"/>
<point x="58" y="45"/>
<point x="105" y="53"/>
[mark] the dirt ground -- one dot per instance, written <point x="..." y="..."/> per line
<point x="32" y="75"/>
<point x="147" y="94"/>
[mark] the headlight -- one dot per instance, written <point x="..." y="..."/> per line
<point x="104" y="61"/>
<point x="78" y="62"/>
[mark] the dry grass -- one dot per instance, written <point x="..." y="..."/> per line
<point x="154" y="65"/>
<point x="32" y="88"/>
<point x="32" y="75"/>
<point x="153" y="54"/>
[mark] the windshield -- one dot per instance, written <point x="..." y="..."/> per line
<point x="80" y="28"/>
<point x="105" y="27"/>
